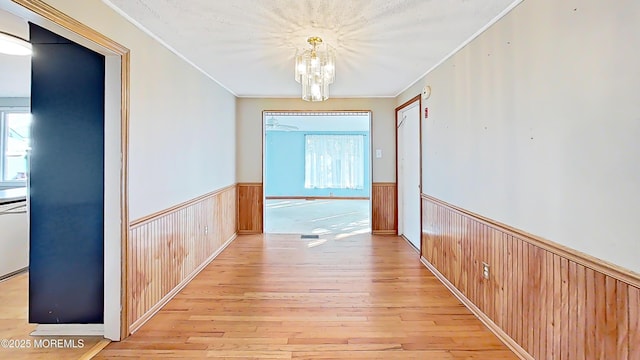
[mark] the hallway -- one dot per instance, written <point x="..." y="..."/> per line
<point x="280" y="296"/>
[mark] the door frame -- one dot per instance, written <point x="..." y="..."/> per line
<point x="264" y="114"/>
<point x="417" y="98"/>
<point x="116" y="218"/>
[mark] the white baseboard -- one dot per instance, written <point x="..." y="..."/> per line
<point x="69" y="330"/>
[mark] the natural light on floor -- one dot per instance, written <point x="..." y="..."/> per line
<point x="341" y="218"/>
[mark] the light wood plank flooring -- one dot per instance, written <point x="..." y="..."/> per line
<point x="14" y="325"/>
<point x="282" y="297"/>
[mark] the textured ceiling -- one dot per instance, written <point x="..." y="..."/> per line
<point x="382" y="46"/>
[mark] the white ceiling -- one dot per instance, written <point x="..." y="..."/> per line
<point x="382" y="46"/>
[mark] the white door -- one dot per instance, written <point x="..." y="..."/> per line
<point x="409" y="173"/>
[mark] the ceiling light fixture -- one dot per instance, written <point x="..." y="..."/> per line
<point x="13" y="45"/>
<point x="315" y="70"/>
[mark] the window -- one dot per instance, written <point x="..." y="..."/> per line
<point x="14" y="144"/>
<point x="334" y="162"/>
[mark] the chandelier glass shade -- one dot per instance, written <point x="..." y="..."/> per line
<point x="315" y="70"/>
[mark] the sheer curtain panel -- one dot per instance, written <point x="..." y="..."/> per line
<point x="334" y="162"/>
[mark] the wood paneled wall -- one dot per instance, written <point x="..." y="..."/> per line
<point x="553" y="305"/>
<point x="384" y="208"/>
<point x="250" y="207"/>
<point x="167" y="249"/>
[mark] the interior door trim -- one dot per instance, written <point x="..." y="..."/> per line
<point x="404" y="106"/>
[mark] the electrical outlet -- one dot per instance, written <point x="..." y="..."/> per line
<point x="485" y="270"/>
<point x="206" y="229"/>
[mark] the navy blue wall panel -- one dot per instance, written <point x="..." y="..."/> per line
<point x="66" y="259"/>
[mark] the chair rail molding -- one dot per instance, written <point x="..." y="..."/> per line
<point x="544" y="300"/>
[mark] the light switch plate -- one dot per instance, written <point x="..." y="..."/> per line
<point x="378" y="153"/>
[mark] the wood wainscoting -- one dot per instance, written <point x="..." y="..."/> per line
<point x="543" y="300"/>
<point x="167" y="249"/>
<point x="384" y="209"/>
<point x="250" y="207"/>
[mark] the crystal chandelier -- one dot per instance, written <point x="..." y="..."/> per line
<point x="315" y="70"/>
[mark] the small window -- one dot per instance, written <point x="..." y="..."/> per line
<point x="334" y="162"/>
<point x="15" y="144"/>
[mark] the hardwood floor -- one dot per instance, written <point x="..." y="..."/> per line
<point x="282" y="297"/>
<point x="14" y="327"/>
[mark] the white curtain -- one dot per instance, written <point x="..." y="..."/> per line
<point x="334" y="162"/>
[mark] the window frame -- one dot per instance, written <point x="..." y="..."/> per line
<point x="3" y="139"/>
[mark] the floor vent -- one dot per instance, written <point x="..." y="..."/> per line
<point x="309" y="236"/>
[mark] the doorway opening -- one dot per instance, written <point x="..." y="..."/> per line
<point x="114" y="218"/>
<point x="317" y="172"/>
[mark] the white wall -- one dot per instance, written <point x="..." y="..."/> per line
<point x="15" y="71"/>
<point x="536" y="124"/>
<point x="182" y="124"/>
<point x="249" y="136"/>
